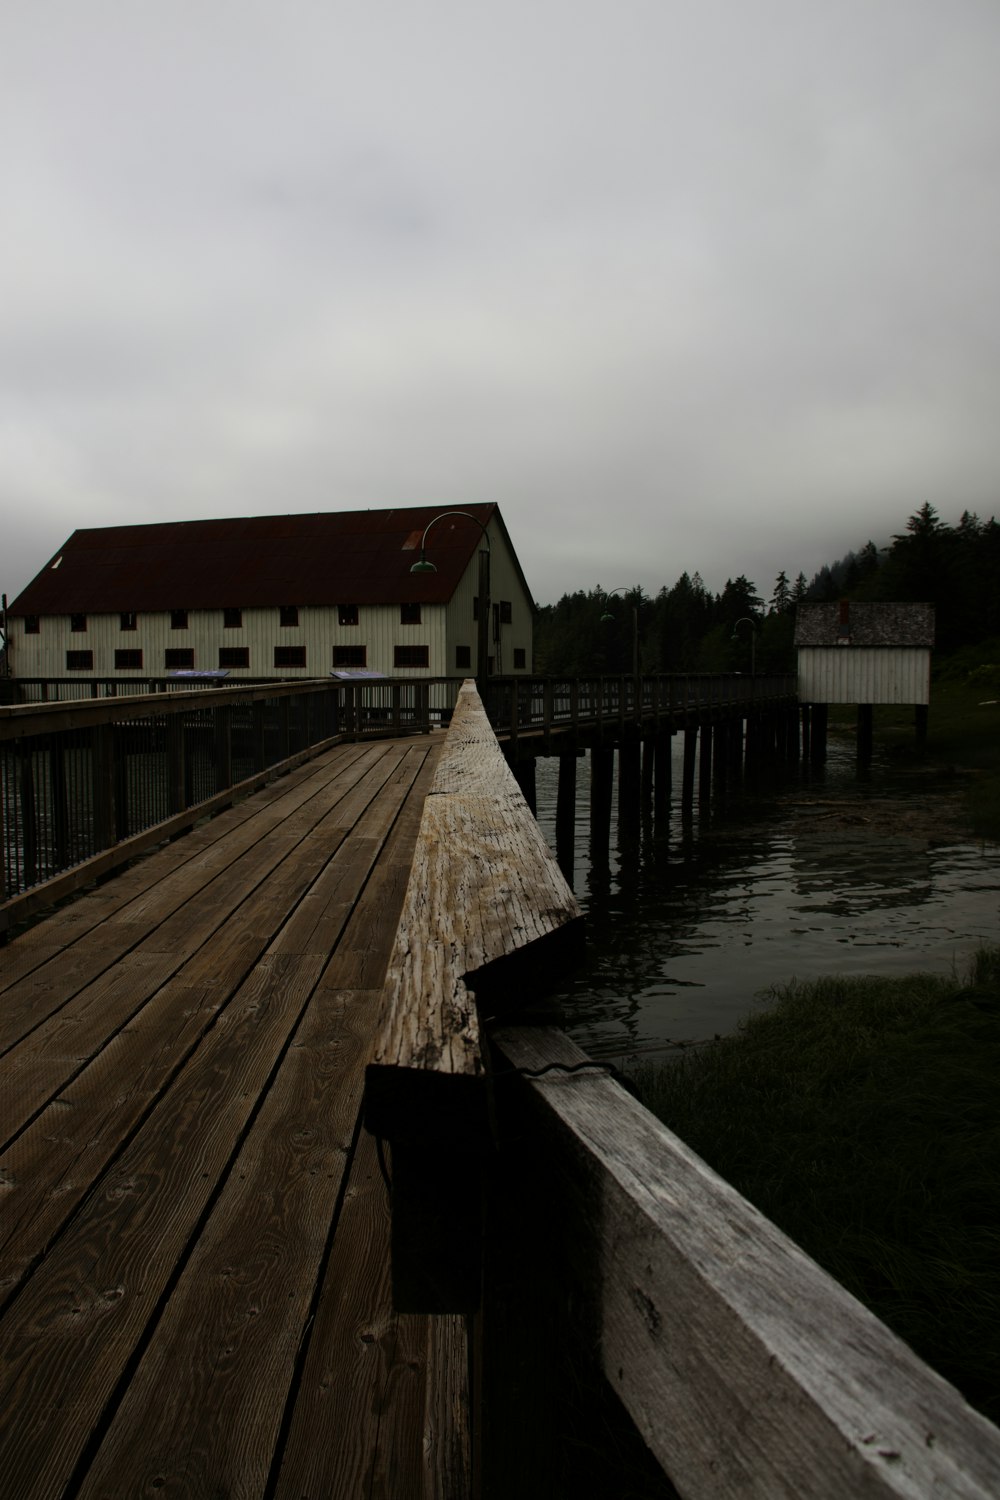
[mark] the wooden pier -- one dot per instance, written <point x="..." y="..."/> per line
<point x="196" y="1263"/>
<point x="194" y="1234"/>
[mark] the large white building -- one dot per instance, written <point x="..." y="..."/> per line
<point x="276" y="596"/>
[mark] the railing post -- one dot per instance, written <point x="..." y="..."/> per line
<point x="29" y="828"/>
<point x="223" y="747"/>
<point x="60" y="803"/>
<point x="103" y="773"/>
<point x="259" y="732"/>
<point x="176" y="782"/>
<point x="119" y="736"/>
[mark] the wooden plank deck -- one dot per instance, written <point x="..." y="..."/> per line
<point x="194" y="1235"/>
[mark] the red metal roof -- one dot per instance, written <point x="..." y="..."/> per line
<point x="326" y="558"/>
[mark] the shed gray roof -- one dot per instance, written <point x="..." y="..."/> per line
<point x="864" y="624"/>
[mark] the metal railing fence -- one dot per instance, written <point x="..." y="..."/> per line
<point x="86" y="776"/>
<point x="519" y="704"/>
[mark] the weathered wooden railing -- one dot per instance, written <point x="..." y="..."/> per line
<point x="88" y="784"/>
<point x="747" y="1369"/>
<point x="522" y="705"/>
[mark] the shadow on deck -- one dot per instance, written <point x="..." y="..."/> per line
<point x="195" y="1234"/>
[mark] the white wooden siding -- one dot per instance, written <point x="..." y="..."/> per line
<point x="379" y="630"/>
<point x="505" y="583"/>
<point x="864" y="674"/>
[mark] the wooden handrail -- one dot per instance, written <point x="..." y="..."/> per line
<point x="486" y="918"/>
<point x="749" y="1371"/>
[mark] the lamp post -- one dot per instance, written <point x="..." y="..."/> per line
<point x="746" y="620"/>
<point x="607" y="616"/>
<point x="424" y="565"/>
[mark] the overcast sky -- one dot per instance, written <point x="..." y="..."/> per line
<point x="710" y="285"/>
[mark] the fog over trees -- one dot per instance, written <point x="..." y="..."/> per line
<point x="687" y="628"/>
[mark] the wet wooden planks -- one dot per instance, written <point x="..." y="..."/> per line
<point x="193" y="1235"/>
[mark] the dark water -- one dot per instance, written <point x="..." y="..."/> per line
<point x="819" y="872"/>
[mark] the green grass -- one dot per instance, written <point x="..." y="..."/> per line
<point x="863" y="1117"/>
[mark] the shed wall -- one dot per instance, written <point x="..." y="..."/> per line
<point x="871" y="674"/>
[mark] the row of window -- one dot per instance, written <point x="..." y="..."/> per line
<point x="180" y="658"/>
<point x="288" y="616"/>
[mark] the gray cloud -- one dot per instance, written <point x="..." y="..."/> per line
<point x="680" y="287"/>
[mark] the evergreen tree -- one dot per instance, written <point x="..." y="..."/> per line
<point x="781" y="599"/>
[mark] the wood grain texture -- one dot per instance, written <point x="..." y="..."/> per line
<point x="182" y="1107"/>
<point x="201" y="880"/>
<point x="447" y="1430"/>
<point x="358" y="1414"/>
<point x="209" y="1393"/>
<point x="483" y="887"/>
<point x="747" y="1369"/>
<point x="83" y="1313"/>
<point x="52" y="1165"/>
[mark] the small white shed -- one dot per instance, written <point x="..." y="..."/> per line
<point x="864" y="653"/>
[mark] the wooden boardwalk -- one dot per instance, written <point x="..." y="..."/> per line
<point x="194" y="1267"/>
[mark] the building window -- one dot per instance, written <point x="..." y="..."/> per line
<point x="78" y="624"/>
<point x="409" y="614"/>
<point x="463" y="656"/>
<point x="505" y="612"/>
<point x="32" y="625"/>
<point x="232" y="619"/>
<point x="178" y="619"/>
<point x="288" y="615"/>
<point x="519" y="659"/>
<point x="178" y="656"/>
<point x="79" y="661"/>
<point x="234" y="656"/>
<point x="289" y="656"/>
<point x="411" y="656"/>
<point x="128" y="660"/>
<point x="350" y="656"/>
<point x="347" y="614"/>
<point x="128" y="620"/>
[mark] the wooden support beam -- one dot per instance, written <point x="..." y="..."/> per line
<point x="866" y="732"/>
<point x="663" y="774"/>
<point x="687" y="780"/>
<point x="629" y="776"/>
<point x="566" y="815"/>
<point x="602" y="777"/>
<point x="705" y="767"/>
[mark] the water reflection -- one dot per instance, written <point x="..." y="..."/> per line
<point x="691" y="919"/>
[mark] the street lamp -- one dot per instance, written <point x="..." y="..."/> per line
<point x="608" y="616"/>
<point x="746" y="620"/>
<point x="424" y="565"/>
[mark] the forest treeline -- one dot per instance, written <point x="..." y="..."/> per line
<point x="687" y="628"/>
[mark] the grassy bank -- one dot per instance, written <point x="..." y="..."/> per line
<point x="863" y="1117"/>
